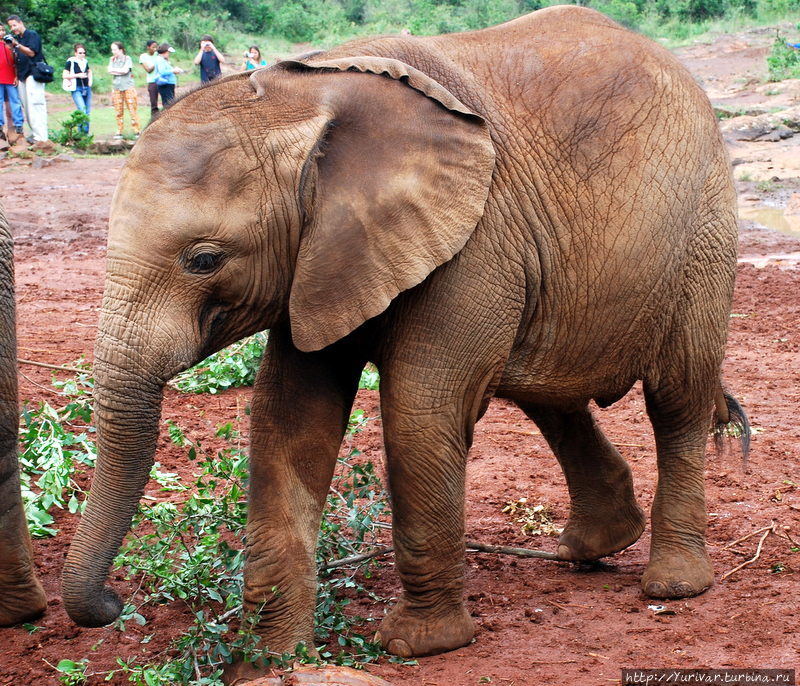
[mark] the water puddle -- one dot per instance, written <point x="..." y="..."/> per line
<point x="773" y="218"/>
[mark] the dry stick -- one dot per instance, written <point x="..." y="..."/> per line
<point x="519" y="552"/>
<point x="750" y="535"/>
<point x="769" y="530"/>
<point x="60" y="367"/>
<point x="471" y="545"/>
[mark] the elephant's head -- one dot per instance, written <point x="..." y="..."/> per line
<point x="313" y="194"/>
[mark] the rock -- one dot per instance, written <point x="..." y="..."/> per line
<point x="44" y="146"/>
<point x="112" y="147"/>
<point x="773" y="127"/>
<point x="63" y="157"/>
<point x="328" y="675"/>
<point x="40" y="163"/>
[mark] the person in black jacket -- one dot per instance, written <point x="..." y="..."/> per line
<point x="27" y="47"/>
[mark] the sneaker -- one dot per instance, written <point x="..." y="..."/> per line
<point x="29" y="140"/>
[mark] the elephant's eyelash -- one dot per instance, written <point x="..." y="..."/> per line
<point x="204" y="262"/>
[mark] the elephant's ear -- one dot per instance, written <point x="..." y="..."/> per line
<point x="395" y="189"/>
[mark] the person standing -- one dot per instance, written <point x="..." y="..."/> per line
<point x="79" y="76"/>
<point x="209" y="59"/>
<point x="165" y="74"/>
<point x="123" y="92"/>
<point x="8" y="91"/>
<point x="148" y="61"/>
<point x="27" y="47"/>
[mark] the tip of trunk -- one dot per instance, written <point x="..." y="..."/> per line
<point x="96" y="611"/>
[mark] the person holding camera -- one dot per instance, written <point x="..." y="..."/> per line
<point x="209" y="59"/>
<point x="8" y="93"/>
<point x="253" y="59"/>
<point x="27" y="47"/>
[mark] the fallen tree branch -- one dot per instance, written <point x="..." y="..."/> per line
<point x="472" y="546"/>
<point x="518" y="552"/>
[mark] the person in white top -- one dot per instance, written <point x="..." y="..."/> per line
<point x="77" y="77"/>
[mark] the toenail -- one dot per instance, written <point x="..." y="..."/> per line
<point x="655" y="589"/>
<point x="564" y="552"/>
<point x="397" y="646"/>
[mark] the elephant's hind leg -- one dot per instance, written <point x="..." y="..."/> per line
<point x="604" y="515"/>
<point x="679" y="565"/>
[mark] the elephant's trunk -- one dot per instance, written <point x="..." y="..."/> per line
<point x="127" y="411"/>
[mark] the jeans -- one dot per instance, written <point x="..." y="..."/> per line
<point x="82" y="97"/>
<point x="31" y="94"/>
<point x="167" y="93"/>
<point x="9" y="92"/>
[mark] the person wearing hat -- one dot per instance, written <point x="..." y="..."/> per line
<point x="209" y="59"/>
<point x="165" y="74"/>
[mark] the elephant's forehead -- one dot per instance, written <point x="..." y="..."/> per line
<point x="150" y="215"/>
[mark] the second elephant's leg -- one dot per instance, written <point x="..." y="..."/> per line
<point x="604" y="515"/>
<point x="21" y="595"/>
<point x="301" y="405"/>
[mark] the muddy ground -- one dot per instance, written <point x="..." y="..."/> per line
<point x="538" y="621"/>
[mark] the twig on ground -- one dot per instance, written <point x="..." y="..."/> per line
<point x="750" y="535"/>
<point x="766" y="532"/>
<point x="59" y="367"/>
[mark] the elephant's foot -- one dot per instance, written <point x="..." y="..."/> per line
<point x="678" y="575"/>
<point x="601" y="532"/>
<point x="410" y="632"/>
<point x="22" y="604"/>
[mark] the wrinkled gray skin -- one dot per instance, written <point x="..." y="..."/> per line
<point x="21" y="596"/>
<point x="541" y="211"/>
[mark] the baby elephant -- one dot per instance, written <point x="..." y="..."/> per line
<point x="541" y="211"/>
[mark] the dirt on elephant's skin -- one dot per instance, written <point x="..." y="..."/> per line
<point x="538" y="622"/>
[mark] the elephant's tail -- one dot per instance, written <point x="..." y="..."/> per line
<point x="730" y="421"/>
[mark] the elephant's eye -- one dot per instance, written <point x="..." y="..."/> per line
<point x="204" y="262"/>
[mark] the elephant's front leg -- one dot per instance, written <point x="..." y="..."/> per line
<point x="300" y="410"/>
<point x="426" y="457"/>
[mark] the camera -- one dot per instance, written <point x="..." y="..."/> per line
<point x="8" y="38"/>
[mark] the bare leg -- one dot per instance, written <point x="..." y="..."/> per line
<point x="604" y="515"/>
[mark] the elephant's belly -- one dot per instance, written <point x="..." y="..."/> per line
<point x="568" y="387"/>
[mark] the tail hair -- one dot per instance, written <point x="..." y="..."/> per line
<point x="730" y="421"/>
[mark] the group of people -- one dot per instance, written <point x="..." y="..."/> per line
<point x="161" y="81"/>
<point x="22" y="94"/>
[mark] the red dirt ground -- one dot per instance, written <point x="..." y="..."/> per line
<point x="538" y="621"/>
